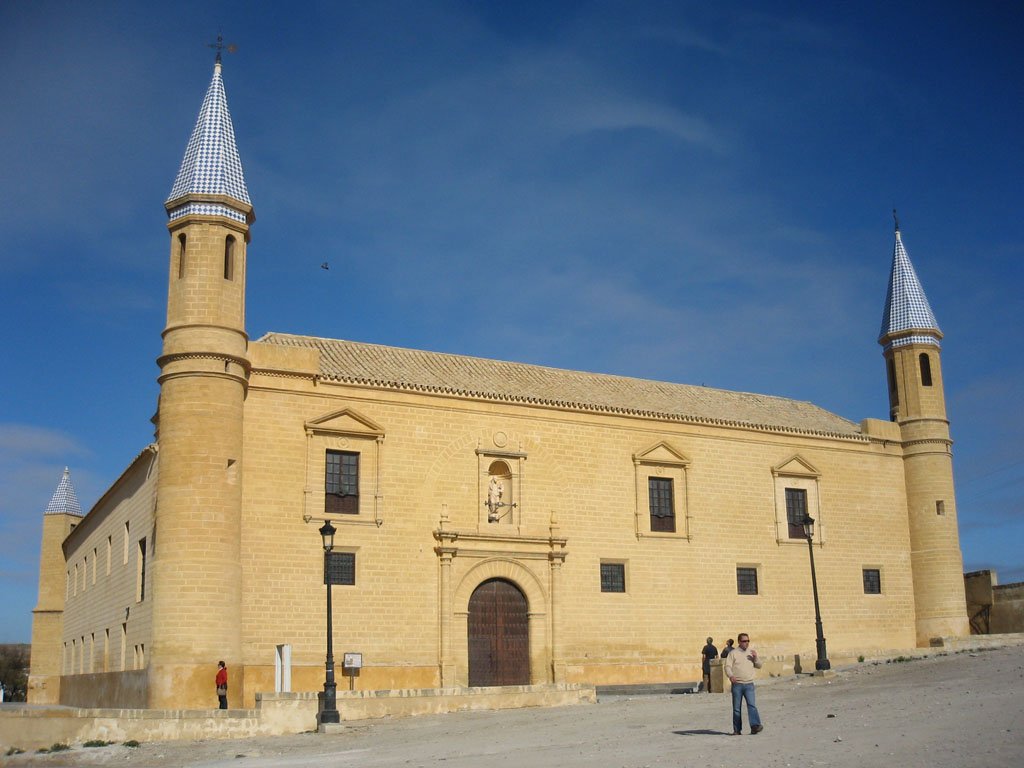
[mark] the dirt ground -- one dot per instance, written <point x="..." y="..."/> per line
<point x="954" y="711"/>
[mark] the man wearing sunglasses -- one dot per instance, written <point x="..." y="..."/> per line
<point x="739" y="668"/>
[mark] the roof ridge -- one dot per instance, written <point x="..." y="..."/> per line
<point x="271" y="335"/>
<point x="419" y="370"/>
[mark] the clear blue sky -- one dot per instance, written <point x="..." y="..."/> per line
<point x="689" y="191"/>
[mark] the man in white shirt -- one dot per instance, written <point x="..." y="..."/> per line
<point x="740" y="666"/>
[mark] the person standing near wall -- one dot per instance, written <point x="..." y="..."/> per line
<point x="222" y="684"/>
<point x="707" y="653"/>
<point x="739" y="668"/>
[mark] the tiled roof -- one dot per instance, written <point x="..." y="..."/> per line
<point x="65" y="500"/>
<point x="211" y="165"/>
<point x="906" y="306"/>
<point x="433" y="372"/>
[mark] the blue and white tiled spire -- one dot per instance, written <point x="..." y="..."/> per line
<point x="908" y="318"/>
<point x="211" y="165"/>
<point x="65" y="500"/>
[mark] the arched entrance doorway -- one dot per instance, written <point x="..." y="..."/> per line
<point x="499" y="635"/>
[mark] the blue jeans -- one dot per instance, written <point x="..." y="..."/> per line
<point x="742" y="691"/>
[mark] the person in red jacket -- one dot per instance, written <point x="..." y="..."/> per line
<point x="222" y="684"/>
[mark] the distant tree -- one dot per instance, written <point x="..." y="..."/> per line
<point x="14" y="671"/>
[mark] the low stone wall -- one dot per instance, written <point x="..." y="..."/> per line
<point x="29" y="727"/>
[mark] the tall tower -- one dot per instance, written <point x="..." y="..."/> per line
<point x="204" y="370"/>
<point x="910" y="338"/>
<point x="61" y="515"/>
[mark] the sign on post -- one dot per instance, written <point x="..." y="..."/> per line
<point x="351" y="664"/>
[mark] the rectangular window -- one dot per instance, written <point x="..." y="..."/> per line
<point x="124" y="559"/>
<point x="75" y="582"/>
<point x="95" y="558"/>
<point x="940" y="507"/>
<point x="796" y="511"/>
<point x="872" y="581"/>
<point x="85" y="572"/>
<point x="92" y="652"/>
<point x="613" y="577"/>
<point x="746" y="581"/>
<point x="124" y="645"/>
<point x="340" y="568"/>
<point x="140" y="584"/>
<point x="106" y="650"/>
<point x="659" y="493"/>
<point x="342" y="483"/>
<point x="110" y="552"/>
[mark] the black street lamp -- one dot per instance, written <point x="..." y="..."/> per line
<point x="822" y="663"/>
<point x="329" y="714"/>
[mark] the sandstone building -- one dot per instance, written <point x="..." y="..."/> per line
<point x="498" y="523"/>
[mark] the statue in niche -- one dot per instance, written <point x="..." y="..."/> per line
<point x="495" y="490"/>
<point x="496" y="508"/>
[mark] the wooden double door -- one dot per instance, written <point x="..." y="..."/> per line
<point x="499" y="635"/>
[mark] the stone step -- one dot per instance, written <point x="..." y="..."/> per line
<point x="647" y="689"/>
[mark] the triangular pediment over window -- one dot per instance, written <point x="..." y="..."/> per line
<point x="661" y="453"/>
<point x="796" y="466"/>
<point x="344" y="422"/>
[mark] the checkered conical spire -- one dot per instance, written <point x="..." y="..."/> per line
<point x="65" y="500"/>
<point x="211" y="165"/>
<point x="906" y="306"/>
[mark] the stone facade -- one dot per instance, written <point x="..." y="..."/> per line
<point x="631" y="518"/>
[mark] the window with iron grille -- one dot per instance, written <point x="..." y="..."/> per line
<point x="796" y="511"/>
<point x="342" y="483"/>
<point x="613" y="577"/>
<point x="746" y="581"/>
<point x="663" y="516"/>
<point x="340" y="568"/>
<point x="872" y="581"/>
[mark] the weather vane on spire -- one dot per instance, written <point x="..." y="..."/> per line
<point x="220" y="46"/>
<point x="896" y="219"/>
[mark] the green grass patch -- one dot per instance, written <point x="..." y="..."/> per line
<point x="97" y="743"/>
<point x="130" y="743"/>
<point x="58" y="747"/>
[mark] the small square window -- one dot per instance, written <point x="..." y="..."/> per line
<point x="872" y="581"/>
<point x="340" y="568"/>
<point x="613" y="577"/>
<point x="746" y="581"/>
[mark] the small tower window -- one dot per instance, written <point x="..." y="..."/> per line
<point x="926" y="369"/>
<point x="229" y="258"/>
<point x="181" y="255"/>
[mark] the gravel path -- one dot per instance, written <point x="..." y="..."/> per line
<point x="954" y="711"/>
